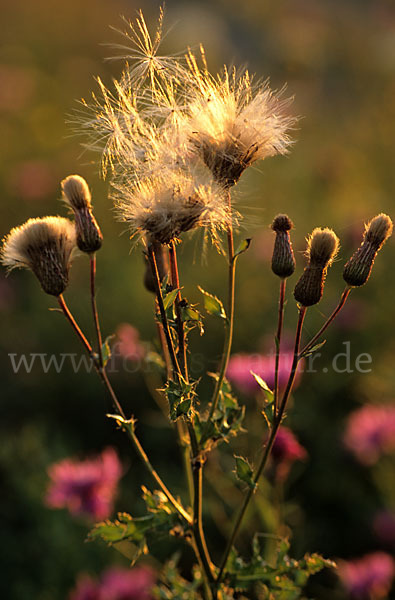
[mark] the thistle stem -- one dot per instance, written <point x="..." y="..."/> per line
<point x="268" y="446"/>
<point x="165" y="324"/>
<point x="92" y="260"/>
<point x="104" y="378"/>
<point x="230" y="318"/>
<point x="283" y="284"/>
<point x="175" y="282"/>
<point x="329" y="320"/>
<point x="195" y="464"/>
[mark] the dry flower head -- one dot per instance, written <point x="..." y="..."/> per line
<point x="44" y="246"/>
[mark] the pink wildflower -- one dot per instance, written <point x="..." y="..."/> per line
<point x="116" y="584"/>
<point x="128" y="343"/>
<point x="241" y="365"/>
<point x="369" y="577"/>
<point x="87" y="487"/>
<point x="286" y="450"/>
<point x="370" y="432"/>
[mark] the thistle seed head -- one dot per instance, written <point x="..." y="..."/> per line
<point x="44" y="246"/>
<point x="76" y="192"/>
<point x="77" y="195"/>
<point x="167" y="205"/>
<point x="283" y="260"/>
<point x="322" y="247"/>
<point x="358" y="268"/>
<point x="378" y="230"/>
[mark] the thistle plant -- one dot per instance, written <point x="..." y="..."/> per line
<point x="174" y="140"/>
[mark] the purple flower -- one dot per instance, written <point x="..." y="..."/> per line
<point x="384" y="527"/>
<point x="116" y="584"/>
<point x="369" y="577"/>
<point x="370" y="432"/>
<point x="87" y="487"/>
<point x="286" y="450"/>
<point x="128" y="343"/>
<point x="241" y="365"/>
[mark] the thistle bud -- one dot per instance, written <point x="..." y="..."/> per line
<point x="161" y="263"/>
<point x="77" y="195"/>
<point x="322" y="247"/>
<point x="357" y="270"/>
<point x="44" y="246"/>
<point x="283" y="260"/>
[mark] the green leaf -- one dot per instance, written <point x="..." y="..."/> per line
<point x="244" y="471"/>
<point x="190" y="314"/>
<point x="212" y="304"/>
<point x="313" y="349"/>
<point x="123" y="528"/>
<point x="242" y="247"/>
<point x="225" y="423"/>
<point x="262" y="384"/>
<point x="106" y="349"/>
<point x="169" y="298"/>
<point x="180" y="395"/>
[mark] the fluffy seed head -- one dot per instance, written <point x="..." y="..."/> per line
<point x="233" y="123"/>
<point x="357" y="270"/>
<point x="283" y="260"/>
<point x="322" y="247"/>
<point x="45" y="247"/>
<point x="167" y="205"/>
<point x="76" y="192"/>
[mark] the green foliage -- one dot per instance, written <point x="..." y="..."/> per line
<point x="176" y="587"/>
<point x="226" y="422"/>
<point x="106" y="349"/>
<point x="169" y="298"/>
<point x="180" y="395"/>
<point x="242" y="247"/>
<point x="244" y="471"/>
<point x="213" y="305"/>
<point x="268" y="407"/>
<point x="283" y="579"/>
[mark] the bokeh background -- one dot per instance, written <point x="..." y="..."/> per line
<point x="338" y="60"/>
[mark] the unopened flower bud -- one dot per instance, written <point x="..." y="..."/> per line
<point x="45" y="247"/>
<point x="357" y="270"/>
<point x="283" y="260"/>
<point x="161" y="263"/>
<point x="322" y="247"/>
<point x="77" y="195"/>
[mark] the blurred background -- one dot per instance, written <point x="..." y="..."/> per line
<point x="338" y="60"/>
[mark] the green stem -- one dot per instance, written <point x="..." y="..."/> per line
<point x="230" y="319"/>
<point x="278" y="341"/>
<point x="329" y="320"/>
<point x="138" y="447"/>
<point x="269" y="445"/>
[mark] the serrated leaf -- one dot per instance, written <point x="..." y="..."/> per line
<point x="242" y="247"/>
<point x="106" y="349"/>
<point x="244" y="471"/>
<point x="123" y="528"/>
<point x="169" y="298"/>
<point x="212" y="304"/>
